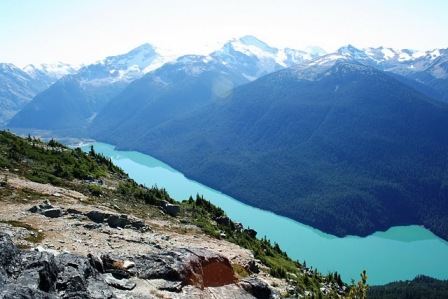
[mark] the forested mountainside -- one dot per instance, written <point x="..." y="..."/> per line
<point x="337" y="145"/>
<point x="418" y="288"/>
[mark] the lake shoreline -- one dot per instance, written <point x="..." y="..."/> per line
<point x="400" y="253"/>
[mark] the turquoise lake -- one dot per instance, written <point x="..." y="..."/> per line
<point x="400" y="253"/>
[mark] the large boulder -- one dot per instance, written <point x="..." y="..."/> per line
<point x="13" y="291"/>
<point x="79" y="278"/>
<point x="10" y="258"/>
<point x="117" y="220"/>
<point x="170" y="209"/>
<point x="197" y="267"/>
<point x="258" y="288"/>
<point x="39" y="271"/>
<point x="43" y="275"/>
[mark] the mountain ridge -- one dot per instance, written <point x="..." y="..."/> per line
<point x="227" y="143"/>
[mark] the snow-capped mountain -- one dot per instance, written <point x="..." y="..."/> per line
<point x="122" y="69"/>
<point x="429" y="68"/>
<point x="75" y="99"/>
<point x="17" y="88"/>
<point x="188" y="83"/>
<point x="237" y="62"/>
<point x="256" y="58"/>
<point x="47" y="74"/>
<point x="402" y="61"/>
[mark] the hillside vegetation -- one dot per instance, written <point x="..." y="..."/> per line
<point x="56" y="164"/>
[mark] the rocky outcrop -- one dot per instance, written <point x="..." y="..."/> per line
<point x="117" y="220"/>
<point x="113" y="220"/>
<point x="170" y="209"/>
<point x="185" y="273"/>
<point x="37" y="274"/>
<point x="200" y="268"/>
<point x="258" y="288"/>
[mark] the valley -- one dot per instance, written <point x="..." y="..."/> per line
<point x="385" y="255"/>
<point x="347" y="151"/>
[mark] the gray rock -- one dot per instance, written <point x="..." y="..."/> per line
<point x="34" y="209"/>
<point x="228" y="291"/>
<point x="73" y="211"/>
<point x="92" y="225"/>
<point x="224" y="220"/>
<point x="137" y="224"/>
<point x="166" y="285"/>
<point x="46" y="205"/>
<point x="10" y="257"/>
<point x="42" y="275"/>
<point x="198" y="267"/>
<point x="52" y="213"/>
<point x="97" y="217"/>
<point x="258" y="288"/>
<point x="119" y="283"/>
<point x="170" y="209"/>
<point x="79" y="279"/>
<point x="117" y="220"/>
<point x="15" y="291"/>
<point x="39" y="271"/>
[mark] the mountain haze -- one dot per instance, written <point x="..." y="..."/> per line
<point x="73" y="101"/>
<point x="18" y="87"/>
<point x="188" y="83"/>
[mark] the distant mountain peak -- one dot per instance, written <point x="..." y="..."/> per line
<point x="352" y="51"/>
<point x="250" y="40"/>
<point x="315" y="51"/>
<point x="50" y="72"/>
<point x="320" y="67"/>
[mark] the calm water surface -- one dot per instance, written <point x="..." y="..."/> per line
<point x="398" y="254"/>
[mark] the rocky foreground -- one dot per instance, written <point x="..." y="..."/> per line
<point x="74" y="250"/>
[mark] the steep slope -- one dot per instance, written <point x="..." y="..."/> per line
<point x="332" y="143"/>
<point x="96" y="233"/>
<point x="186" y="84"/>
<point x="71" y="103"/>
<point x="17" y="88"/>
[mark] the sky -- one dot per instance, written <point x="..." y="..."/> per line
<point x="84" y="31"/>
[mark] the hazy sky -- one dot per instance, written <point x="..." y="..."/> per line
<point x="83" y="31"/>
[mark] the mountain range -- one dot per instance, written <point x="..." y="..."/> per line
<point x="19" y="86"/>
<point x="332" y="143"/>
<point x="74" y="102"/>
<point x="349" y="142"/>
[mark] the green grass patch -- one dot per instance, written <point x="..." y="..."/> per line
<point x="240" y="271"/>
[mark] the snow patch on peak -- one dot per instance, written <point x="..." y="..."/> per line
<point x="250" y="40"/>
<point x="434" y="54"/>
<point x="329" y="60"/>
<point x="322" y="66"/>
<point x="56" y="70"/>
<point x="315" y="51"/>
<point x="388" y="53"/>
